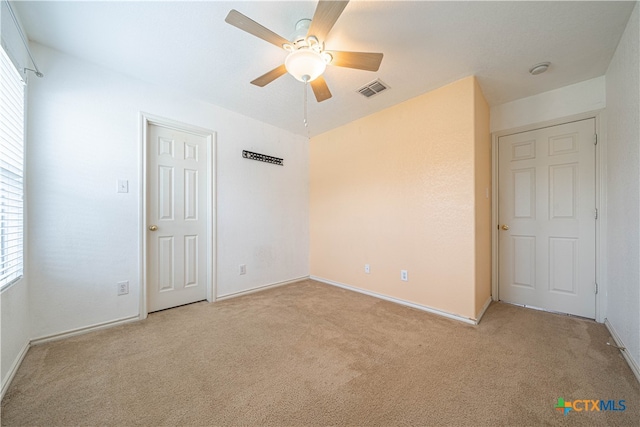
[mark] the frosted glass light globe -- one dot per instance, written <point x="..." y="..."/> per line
<point x="305" y="64"/>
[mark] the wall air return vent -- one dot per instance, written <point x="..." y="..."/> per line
<point x="373" y="88"/>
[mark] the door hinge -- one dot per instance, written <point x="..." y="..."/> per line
<point x="596" y="213"/>
<point x="596" y="287"/>
<point x="595" y="139"/>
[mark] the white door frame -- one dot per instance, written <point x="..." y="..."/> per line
<point x="601" y="187"/>
<point x="210" y="136"/>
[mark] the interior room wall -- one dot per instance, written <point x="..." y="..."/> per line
<point x="566" y="101"/>
<point x="396" y="190"/>
<point x="11" y="38"/>
<point x="84" y="237"/>
<point x="623" y="189"/>
<point x="14" y="300"/>
<point x="15" y="328"/>
<point x="482" y="151"/>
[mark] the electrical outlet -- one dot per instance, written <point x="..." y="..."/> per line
<point x="243" y="269"/>
<point x="404" y="276"/>
<point x="367" y="269"/>
<point x="123" y="186"/>
<point x="123" y="288"/>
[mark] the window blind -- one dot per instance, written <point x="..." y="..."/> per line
<point x="11" y="172"/>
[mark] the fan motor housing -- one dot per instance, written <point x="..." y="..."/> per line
<point x="300" y="33"/>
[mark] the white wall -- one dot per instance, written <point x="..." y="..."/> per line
<point x="566" y="101"/>
<point x="11" y="39"/>
<point x="14" y="301"/>
<point x="15" y="333"/>
<point x="623" y="188"/>
<point x="84" y="135"/>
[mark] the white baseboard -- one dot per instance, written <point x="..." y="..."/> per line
<point x="259" y="289"/>
<point x="14" y="368"/>
<point x="625" y="353"/>
<point x="484" y="308"/>
<point x="398" y="301"/>
<point x="84" y="330"/>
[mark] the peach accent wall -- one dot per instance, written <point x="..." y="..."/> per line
<point x="397" y="190"/>
<point x="482" y="148"/>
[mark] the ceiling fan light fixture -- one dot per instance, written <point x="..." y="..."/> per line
<point x="305" y="64"/>
<point x="306" y="60"/>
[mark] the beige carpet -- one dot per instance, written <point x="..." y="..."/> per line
<point x="312" y="354"/>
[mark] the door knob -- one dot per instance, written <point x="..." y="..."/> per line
<point x="505" y="227"/>
<point x="153" y="228"/>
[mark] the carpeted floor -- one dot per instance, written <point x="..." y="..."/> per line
<point x="312" y="354"/>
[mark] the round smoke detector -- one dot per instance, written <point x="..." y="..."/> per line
<point x="539" y="68"/>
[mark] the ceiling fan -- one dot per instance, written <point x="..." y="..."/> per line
<point x="307" y="58"/>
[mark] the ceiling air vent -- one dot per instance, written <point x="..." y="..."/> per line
<point x="373" y="88"/>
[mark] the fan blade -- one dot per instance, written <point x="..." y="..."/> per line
<point x="360" y="60"/>
<point x="326" y="14"/>
<point x="320" y="89"/>
<point x="267" y="78"/>
<point x="247" y="24"/>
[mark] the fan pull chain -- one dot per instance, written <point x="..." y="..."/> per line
<point x="306" y="123"/>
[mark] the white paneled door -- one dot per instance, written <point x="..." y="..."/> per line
<point x="547" y="218"/>
<point x="177" y="234"/>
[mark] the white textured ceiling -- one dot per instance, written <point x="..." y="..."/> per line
<point x="187" y="46"/>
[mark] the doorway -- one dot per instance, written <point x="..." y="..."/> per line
<point x="547" y="218"/>
<point x="179" y="223"/>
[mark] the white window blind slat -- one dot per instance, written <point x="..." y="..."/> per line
<point x="12" y="205"/>
<point x="11" y="195"/>
<point x="14" y="151"/>
<point x="11" y="101"/>
<point x="9" y="162"/>
<point x="10" y="134"/>
<point x="11" y="172"/>
<point x="13" y="208"/>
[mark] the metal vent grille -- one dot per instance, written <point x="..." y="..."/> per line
<point x="373" y="88"/>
